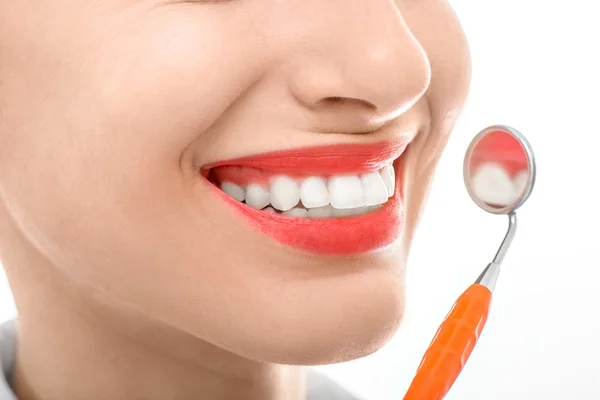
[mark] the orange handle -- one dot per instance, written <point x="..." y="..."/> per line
<point x="452" y="345"/>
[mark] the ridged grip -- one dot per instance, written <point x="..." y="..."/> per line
<point x="452" y="345"/>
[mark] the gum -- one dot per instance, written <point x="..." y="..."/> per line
<point x="243" y="176"/>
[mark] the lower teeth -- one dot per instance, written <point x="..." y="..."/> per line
<point x="322" y="212"/>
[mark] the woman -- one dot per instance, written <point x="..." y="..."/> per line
<point x="200" y="197"/>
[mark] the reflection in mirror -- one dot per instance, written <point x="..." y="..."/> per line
<point x="498" y="169"/>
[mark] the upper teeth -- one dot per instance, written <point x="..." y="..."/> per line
<point x="493" y="185"/>
<point x="256" y="196"/>
<point x="314" y="192"/>
<point x="284" y="193"/>
<point x="375" y="189"/>
<point x="235" y="191"/>
<point x="346" y="192"/>
<point x="340" y="195"/>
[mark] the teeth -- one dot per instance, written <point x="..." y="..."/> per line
<point x="314" y="193"/>
<point x="520" y="182"/>
<point x="296" y="212"/>
<point x="351" y="212"/>
<point x="374" y="189"/>
<point x="320" y="212"/>
<point x="284" y="193"/>
<point x="318" y="197"/>
<point x="347" y="212"/>
<point x="389" y="178"/>
<point x="235" y="191"/>
<point x="257" y="196"/>
<point x="492" y="184"/>
<point x="345" y="192"/>
<point x="363" y="210"/>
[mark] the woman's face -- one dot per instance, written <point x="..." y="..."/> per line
<point x="109" y="109"/>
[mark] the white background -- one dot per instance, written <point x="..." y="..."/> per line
<point x="536" y="67"/>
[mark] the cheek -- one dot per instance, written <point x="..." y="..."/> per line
<point x="106" y="163"/>
<point x="172" y="81"/>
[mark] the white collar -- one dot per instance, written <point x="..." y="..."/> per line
<point x="8" y="346"/>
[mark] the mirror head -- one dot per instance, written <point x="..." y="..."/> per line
<point x="499" y="169"/>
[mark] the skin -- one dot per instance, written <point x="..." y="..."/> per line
<point x="134" y="282"/>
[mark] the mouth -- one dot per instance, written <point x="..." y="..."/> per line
<point x="331" y="200"/>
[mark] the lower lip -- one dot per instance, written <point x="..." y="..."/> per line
<point x="328" y="236"/>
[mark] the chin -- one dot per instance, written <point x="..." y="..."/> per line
<point x="345" y="321"/>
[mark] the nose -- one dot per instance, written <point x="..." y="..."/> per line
<point x="366" y="64"/>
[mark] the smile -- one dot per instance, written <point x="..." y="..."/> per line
<point x="338" y="200"/>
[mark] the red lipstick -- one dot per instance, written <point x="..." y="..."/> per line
<point x="324" y="160"/>
<point x="327" y="236"/>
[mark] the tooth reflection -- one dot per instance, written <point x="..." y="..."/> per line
<point x="492" y="185"/>
<point x="520" y="182"/>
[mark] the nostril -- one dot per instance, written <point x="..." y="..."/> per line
<point x="346" y="101"/>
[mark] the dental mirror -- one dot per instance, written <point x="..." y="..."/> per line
<point x="499" y="169"/>
<point x="499" y="172"/>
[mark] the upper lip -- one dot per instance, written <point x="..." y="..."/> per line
<point x="332" y="159"/>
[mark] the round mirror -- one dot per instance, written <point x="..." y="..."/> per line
<point x="499" y="169"/>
